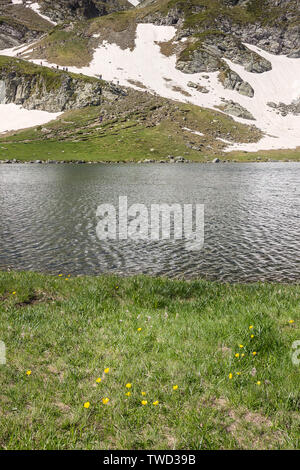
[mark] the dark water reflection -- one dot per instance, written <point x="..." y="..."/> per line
<point x="252" y="219"/>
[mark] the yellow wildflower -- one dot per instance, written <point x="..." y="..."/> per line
<point x="106" y="371"/>
<point x="242" y="355"/>
<point x="14" y="293"/>
<point x="128" y="394"/>
<point x="175" y="387"/>
<point x="252" y="336"/>
<point x="155" y="403"/>
<point x="60" y="275"/>
<point x="291" y="321"/>
<point x="128" y="385"/>
<point x="139" y="329"/>
<point x="237" y="355"/>
<point x="250" y="327"/>
<point x="105" y="401"/>
<point x="238" y="373"/>
<point x="87" y="404"/>
<point x="230" y="376"/>
<point x="98" y="380"/>
<point x="254" y="353"/>
<point x="144" y="394"/>
<point x="28" y="372"/>
<point x="258" y="383"/>
<point x="241" y="346"/>
<point x="144" y="402"/>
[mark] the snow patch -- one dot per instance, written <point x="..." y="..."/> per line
<point x="134" y="2"/>
<point x="36" y="7"/>
<point x="14" y="117"/>
<point x="192" y="132"/>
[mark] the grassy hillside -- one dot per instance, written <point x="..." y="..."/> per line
<point x="134" y="127"/>
<point x="226" y="350"/>
<point x="28" y="70"/>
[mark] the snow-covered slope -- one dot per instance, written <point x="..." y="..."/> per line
<point x="36" y="7"/>
<point x="146" y="67"/>
<point x="13" y="117"/>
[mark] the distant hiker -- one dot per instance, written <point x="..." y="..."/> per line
<point x="100" y="118"/>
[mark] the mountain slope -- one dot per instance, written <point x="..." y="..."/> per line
<point x="194" y="51"/>
<point x="24" y="20"/>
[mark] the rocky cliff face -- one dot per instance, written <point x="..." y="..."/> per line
<point x="13" y="33"/>
<point x="63" y="10"/>
<point x="50" y="90"/>
<point x="21" y="22"/>
<point x="218" y="29"/>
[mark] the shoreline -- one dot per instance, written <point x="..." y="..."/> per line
<point x="162" y="277"/>
<point x="142" y="162"/>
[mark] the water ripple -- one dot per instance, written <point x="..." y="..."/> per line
<point x="252" y="219"/>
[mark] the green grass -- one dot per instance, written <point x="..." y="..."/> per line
<point x="129" y="134"/>
<point x="135" y="127"/>
<point x="65" y="47"/>
<point x="51" y="78"/>
<point x="68" y="331"/>
<point x="204" y="13"/>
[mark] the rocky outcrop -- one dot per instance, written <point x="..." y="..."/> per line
<point x="19" y="23"/>
<point x="285" y="109"/>
<point x="50" y="90"/>
<point x="206" y="55"/>
<point x="232" y="81"/>
<point x="62" y="10"/>
<point x="200" y="88"/>
<point x="220" y="29"/>
<point x="200" y="60"/>
<point x="235" y="109"/>
<point x="273" y="25"/>
<point x="13" y="33"/>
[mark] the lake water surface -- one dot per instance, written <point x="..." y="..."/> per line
<point x="252" y="219"/>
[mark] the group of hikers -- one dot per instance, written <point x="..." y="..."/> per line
<point x="65" y="69"/>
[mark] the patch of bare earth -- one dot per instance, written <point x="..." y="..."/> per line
<point x="125" y="38"/>
<point x="36" y="298"/>
<point x="181" y="90"/>
<point x="225" y="351"/>
<point x="63" y="407"/>
<point x="251" y="430"/>
<point x="168" y="48"/>
<point x="137" y="83"/>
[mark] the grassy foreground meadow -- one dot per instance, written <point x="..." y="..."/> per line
<point x="147" y="363"/>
